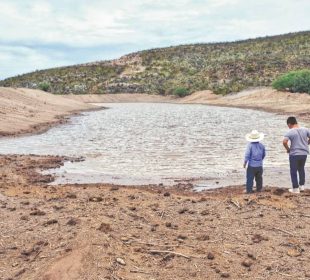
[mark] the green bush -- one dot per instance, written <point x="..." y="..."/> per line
<point x="295" y="81"/>
<point x="181" y="91"/>
<point x="44" y="86"/>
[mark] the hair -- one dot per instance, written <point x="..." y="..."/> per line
<point x="291" y="120"/>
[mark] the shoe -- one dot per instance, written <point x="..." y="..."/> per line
<point x="294" y="190"/>
<point x="302" y="188"/>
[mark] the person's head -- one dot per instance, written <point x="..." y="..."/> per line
<point x="291" y="121"/>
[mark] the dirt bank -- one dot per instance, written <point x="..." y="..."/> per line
<point x="266" y="99"/>
<point x="123" y="98"/>
<point x="28" y="111"/>
<point x="110" y="232"/>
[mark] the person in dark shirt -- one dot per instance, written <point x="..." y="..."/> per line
<point x="253" y="159"/>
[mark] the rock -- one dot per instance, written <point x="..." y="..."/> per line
<point x="293" y="253"/>
<point x="104" y="227"/>
<point x="251" y="256"/>
<point x="95" y="199"/>
<point x="72" y="222"/>
<point x="71" y="195"/>
<point x="182" y="211"/>
<point x="210" y="256"/>
<point x="120" y="261"/>
<point x="204" y="212"/>
<point x="203" y="237"/>
<point x="257" y="238"/>
<point x="37" y="213"/>
<point x="225" y="275"/>
<point x="247" y="263"/>
<point x="114" y="188"/>
<point x="50" y="222"/>
<point x="182" y="236"/>
<point x="167" y="194"/>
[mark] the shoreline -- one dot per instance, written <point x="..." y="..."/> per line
<point x="156" y="232"/>
<point x="126" y="232"/>
<point x="254" y="99"/>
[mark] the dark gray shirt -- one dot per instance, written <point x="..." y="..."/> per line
<point x="299" y="141"/>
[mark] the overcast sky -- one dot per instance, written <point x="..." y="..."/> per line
<point x="42" y="34"/>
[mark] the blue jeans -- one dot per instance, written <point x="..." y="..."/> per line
<point x="297" y="164"/>
<point x="251" y="173"/>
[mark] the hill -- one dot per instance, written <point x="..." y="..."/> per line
<point x="220" y="67"/>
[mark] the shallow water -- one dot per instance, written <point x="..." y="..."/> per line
<point x="138" y="143"/>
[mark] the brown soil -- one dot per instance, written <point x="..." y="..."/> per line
<point x="25" y="111"/>
<point x="152" y="232"/>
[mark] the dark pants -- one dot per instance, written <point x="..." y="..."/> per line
<point x="297" y="164"/>
<point x="251" y="173"/>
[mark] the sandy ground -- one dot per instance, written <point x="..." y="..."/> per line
<point x="27" y="111"/>
<point x="111" y="232"/>
<point x="100" y="231"/>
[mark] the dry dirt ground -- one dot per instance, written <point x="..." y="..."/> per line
<point x="152" y="232"/>
<point x="31" y="111"/>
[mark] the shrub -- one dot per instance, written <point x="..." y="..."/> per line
<point x="44" y="86"/>
<point x="294" y="81"/>
<point x="181" y="91"/>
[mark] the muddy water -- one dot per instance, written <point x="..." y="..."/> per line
<point x="160" y="143"/>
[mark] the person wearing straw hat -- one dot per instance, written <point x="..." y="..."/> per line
<point x="253" y="159"/>
<point x="299" y="138"/>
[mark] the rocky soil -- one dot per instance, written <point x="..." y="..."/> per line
<point x="151" y="232"/>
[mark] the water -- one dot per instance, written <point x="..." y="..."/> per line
<point x="138" y="143"/>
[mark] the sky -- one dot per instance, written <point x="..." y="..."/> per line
<point x="43" y="34"/>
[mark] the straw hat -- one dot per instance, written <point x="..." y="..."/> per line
<point x="254" y="136"/>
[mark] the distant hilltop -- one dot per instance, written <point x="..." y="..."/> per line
<point x="220" y="67"/>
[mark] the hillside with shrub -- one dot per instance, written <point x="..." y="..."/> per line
<point x="220" y="67"/>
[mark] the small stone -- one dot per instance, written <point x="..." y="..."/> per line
<point x="225" y="275"/>
<point x="203" y="237"/>
<point x="50" y="222"/>
<point x="95" y="199"/>
<point x="120" y="261"/>
<point x="182" y="236"/>
<point x="104" y="227"/>
<point x="251" y="256"/>
<point x="71" y="195"/>
<point x="72" y="222"/>
<point x="114" y="188"/>
<point x="167" y="194"/>
<point x="247" y="263"/>
<point x="37" y="213"/>
<point x="210" y="256"/>
<point x="204" y="212"/>
<point x="182" y="211"/>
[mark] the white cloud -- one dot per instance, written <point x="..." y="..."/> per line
<point x="87" y="25"/>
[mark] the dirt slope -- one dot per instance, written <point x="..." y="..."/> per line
<point x="28" y="110"/>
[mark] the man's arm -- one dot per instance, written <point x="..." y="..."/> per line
<point x="247" y="155"/>
<point x="285" y="144"/>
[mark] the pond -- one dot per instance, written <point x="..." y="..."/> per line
<point x="144" y="143"/>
